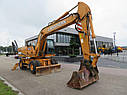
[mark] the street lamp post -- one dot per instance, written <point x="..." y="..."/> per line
<point x="114" y="39"/>
<point x="115" y="43"/>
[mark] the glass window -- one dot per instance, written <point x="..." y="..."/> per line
<point x="58" y="38"/>
<point x="50" y="44"/>
<point x="49" y="37"/>
<point x="29" y="43"/>
<point x="54" y="37"/>
<point x="65" y="38"/>
<point x="35" y="41"/>
<point x="62" y="38"/>
<point x="69" y="38"/>
<point x="92" y="43"/>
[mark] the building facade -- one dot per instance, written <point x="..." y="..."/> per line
<point x="63" y="37"/>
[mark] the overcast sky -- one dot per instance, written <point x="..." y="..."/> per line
<point x="21" y="19"/>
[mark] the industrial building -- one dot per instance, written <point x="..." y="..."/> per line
<point x="63" y="37"/>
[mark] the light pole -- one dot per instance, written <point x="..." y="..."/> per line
<point x="114" y="39"/>
<point x="115" y="43"/>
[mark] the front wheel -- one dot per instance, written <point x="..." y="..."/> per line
<point x="33" y="65"/>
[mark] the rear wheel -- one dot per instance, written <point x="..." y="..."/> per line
<point x="21" y="65"/>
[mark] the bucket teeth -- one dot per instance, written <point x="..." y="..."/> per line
<point x="44" y="70"/>
<point x="82" y="78"/>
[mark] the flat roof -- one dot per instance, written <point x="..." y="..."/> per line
<point x="69" y="30"/>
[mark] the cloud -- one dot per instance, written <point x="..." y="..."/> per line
<point x="21" y="19"/>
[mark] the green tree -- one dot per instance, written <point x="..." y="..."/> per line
<point x="74" y="46"/>
<point x="6" y="48"/>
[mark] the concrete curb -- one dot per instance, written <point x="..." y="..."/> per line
<point x="10" y="85"/>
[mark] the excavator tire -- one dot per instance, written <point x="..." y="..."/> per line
<point x="21" y="65"/>
<point x="33" y="65"/>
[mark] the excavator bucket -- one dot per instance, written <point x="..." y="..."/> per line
<point x="83" y="77"/>
<point x="44" y="70"/>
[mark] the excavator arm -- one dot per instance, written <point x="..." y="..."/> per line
<point x="83" y="15"/>
<point x="53" y="28"/>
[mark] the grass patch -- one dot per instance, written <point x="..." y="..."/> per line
<point x="1" y="54"/>
<point x="5" y="90"/>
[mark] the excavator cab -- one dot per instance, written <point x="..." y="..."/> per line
<point x="50" y="48"/>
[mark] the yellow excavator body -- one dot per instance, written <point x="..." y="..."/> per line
<point x="38" y="61"/>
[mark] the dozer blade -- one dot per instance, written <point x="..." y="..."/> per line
<point x="82" y="78"/>
<point x="44" y="70"/>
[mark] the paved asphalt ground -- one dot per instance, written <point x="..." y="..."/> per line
<point x="102" y="62"/>
<point x="113" y="79"/>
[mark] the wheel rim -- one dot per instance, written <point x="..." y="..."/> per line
<point x="31" y="67"/>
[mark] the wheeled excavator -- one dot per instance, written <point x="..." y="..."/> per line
<point x="38" y="60"/>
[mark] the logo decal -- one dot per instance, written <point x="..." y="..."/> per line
<point x="56" y="25"/>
